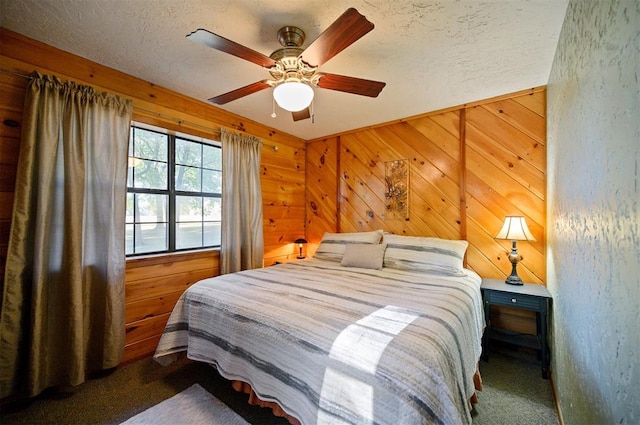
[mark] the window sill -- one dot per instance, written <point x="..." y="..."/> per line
<point x="170" y="257"/>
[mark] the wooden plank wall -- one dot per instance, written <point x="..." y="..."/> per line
<point x="506" y="173"/>
<point x="12" y="91"/>
<point x="470" y="167"/>
<point x="153" y="284"/>
<point x="322" y="190"/>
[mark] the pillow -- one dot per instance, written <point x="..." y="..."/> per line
<point x="425" y="254"/>
<point x="364" y="255"/>
<point x="332" y="245"/>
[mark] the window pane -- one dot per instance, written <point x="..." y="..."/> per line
<point x="129" y="213"/>
<point x="188" y="153"/>
<point x="211" y="234"/>
<point x="211" y="157"/>
<point x="150" y="175"/>
<point x="128" y="239"/>
<point x="189" y="208"/>
<point x="188" y="179"/>
<point x="150" y="145"/>
<point x="211" y="181"/>
<point x="151" y="208"/>
<point x="151" y="237"/>
<point x="130" y="142"/>
<point x="188" y="235"/>
<point x="129" y="172"/>
<point x="212" y="209"/>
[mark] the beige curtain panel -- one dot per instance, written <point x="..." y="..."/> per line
<point x="62" y="311"/>
<point x="242" y="241"/>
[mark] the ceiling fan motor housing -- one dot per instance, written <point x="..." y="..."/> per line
<point x="289" y="66"/>
<point x="291" y="36"/>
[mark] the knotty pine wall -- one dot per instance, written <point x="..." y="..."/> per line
<point x="470" y="167"/>
<point x="152" y="284"/>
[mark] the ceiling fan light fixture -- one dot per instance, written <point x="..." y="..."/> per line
<point x="293" y="96"/>
<point x="293" y="69"/>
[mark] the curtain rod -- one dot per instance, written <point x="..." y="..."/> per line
<point x="146" y="111"/>
<point x="192" y="124"/>
<point x="17" y="74"/>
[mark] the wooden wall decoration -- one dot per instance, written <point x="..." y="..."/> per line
<point x="396" y="185"/>
<point x="153" y="284"/>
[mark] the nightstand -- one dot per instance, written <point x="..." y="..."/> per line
<point x="530" y="296"/>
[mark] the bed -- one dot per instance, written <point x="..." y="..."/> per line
<point x="377" y="337"/>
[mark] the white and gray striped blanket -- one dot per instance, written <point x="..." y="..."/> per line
<point x="338" y="345"/>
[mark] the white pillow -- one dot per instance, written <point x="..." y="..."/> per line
<point x="425" y="254"/>
<point x="364" y="255"/>
<point x="332" y="245"/>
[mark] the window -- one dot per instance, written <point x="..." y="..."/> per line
<point x="174" y="188"/>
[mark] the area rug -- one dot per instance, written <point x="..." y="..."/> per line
<point x="191" y="406"/>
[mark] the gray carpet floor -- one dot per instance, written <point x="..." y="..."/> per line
<point x="514" y="393"/>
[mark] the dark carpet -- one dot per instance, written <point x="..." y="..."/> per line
<point x="514" y="393"/>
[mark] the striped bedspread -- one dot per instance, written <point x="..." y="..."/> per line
<point x="338" y="345"/>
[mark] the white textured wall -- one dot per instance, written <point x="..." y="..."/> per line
<point x="594" y="212"/>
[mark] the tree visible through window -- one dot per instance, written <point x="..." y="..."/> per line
<point x="173" y="193"/>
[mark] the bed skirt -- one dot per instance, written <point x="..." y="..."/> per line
<point x="243" y="387"/>
<point x="256" y="401"/>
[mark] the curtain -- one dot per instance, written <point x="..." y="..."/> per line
<point x="242" y="244"/>
<point x="62" y="312"/>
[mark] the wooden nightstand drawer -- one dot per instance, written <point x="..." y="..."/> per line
<point x="523" y="301"/>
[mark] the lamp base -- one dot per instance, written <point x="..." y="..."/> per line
<point x="513" y="280"/>
<point x="300" y="257"/>
<point x="514" y="258"/>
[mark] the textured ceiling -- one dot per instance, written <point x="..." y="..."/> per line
<point x="432" y="54"/>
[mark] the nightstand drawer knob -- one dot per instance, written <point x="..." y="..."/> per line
<point x="513" y="300"/>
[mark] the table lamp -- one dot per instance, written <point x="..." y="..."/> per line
<point x="515" y="229"/>
<point x="300" y="242"/>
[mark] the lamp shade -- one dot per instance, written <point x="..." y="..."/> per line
<point x="293" y="96"/>
<point x="300" y="240"/>
<point x="515" y="229"/>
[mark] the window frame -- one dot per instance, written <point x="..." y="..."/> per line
<point x="171" y="192"/>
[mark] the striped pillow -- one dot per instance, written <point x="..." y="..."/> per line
<point x="425" y="254"/>
<point x="332" y="245"/>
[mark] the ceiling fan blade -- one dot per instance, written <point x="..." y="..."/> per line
<point x="350" y="84"/>
<point x="301" y="115"/>
<point x="217" y="42"/>
<point x="346" y="30"/>
<point x="241" y="92"/>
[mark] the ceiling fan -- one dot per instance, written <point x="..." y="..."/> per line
<point x="294" y="70"/>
